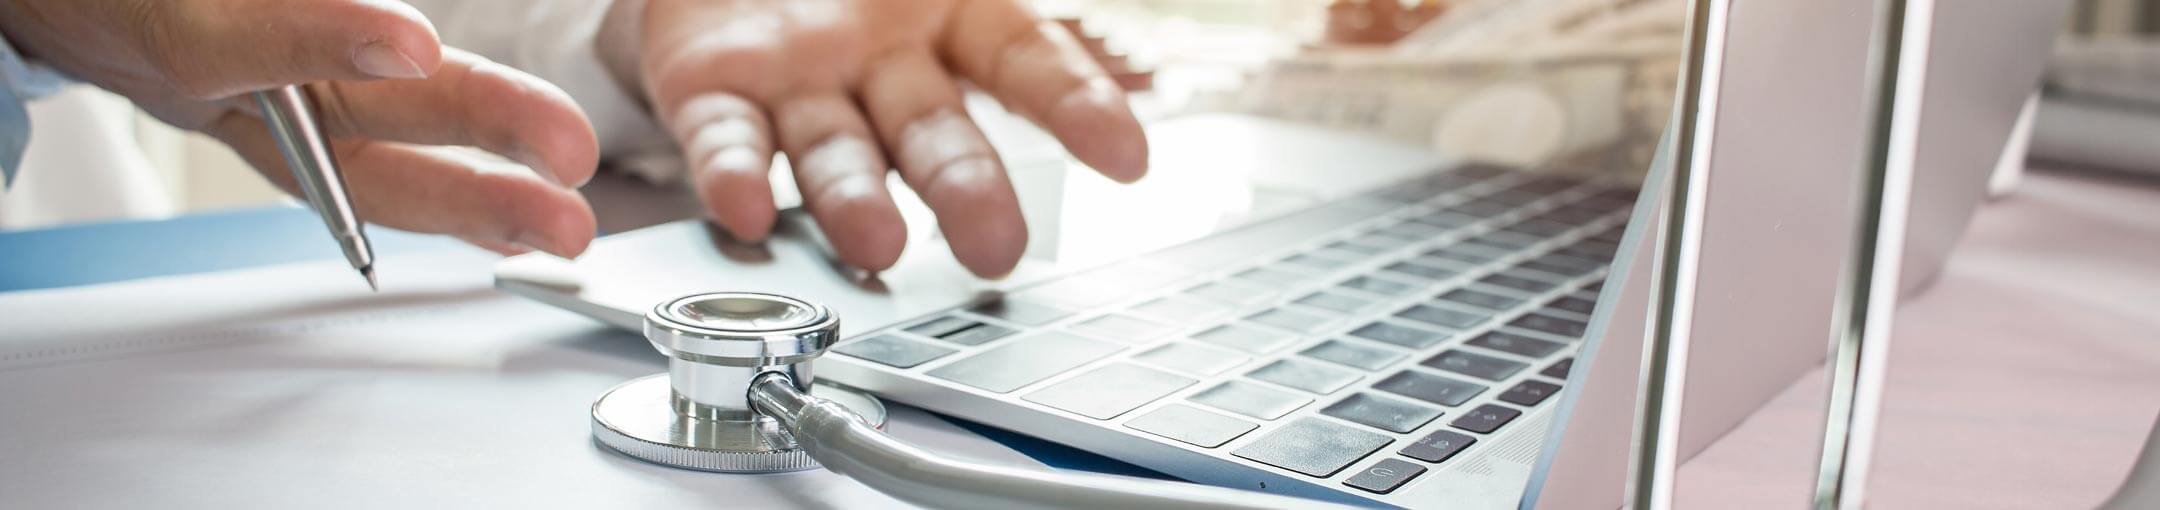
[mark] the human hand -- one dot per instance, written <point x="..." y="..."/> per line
<point x="840" y="86"/>
<point x="387" y="89"/>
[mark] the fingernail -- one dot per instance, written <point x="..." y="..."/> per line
<point x="380" y="60"/>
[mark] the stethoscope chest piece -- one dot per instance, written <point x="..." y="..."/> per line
<point x="698" y="415"/>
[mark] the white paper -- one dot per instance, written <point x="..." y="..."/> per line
<point x="292" y="386"/>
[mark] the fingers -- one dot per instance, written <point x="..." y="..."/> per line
<point x="728" y="144"/>
<point x="841" y="173"/>
<point x="916" y="110"/>
<point x="219" y="48"/>
<point x="470" y="101"/>
<point x="441" y="190"/>
<point x="1039" y="70"/>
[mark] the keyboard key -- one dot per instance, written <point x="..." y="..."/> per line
<point x="1404" y="194"/>
<point x="1480" y="208"/>
<point x="1251" y="400"/>
<point x="1271" y="276"/>
<point x="1449" y="317"/>
<point x="1191" y="425"/>
<point x="1547" y="184"/>
<point x="1381" y="240"/>
<point x="1245" y="338"/>
<point x="1181" y="310"/>
<point x="892" y="350"/>
<point x="1382" y="413"/>
<point x="1475" y="365"/>
<point x="979" y="334"/>
<point x="1381" y="286"/>
<point x="1313" y="446"/>
<point x="1292" y="320"/>
<point x="1512" y="241"/>
<point x="1107" y="392"/>
<point x="1423" y="271"/>
<point x="1022" y="361"/>
<point x="1574" y="304"/>
<point x="1385" y="476"/>
<point x="1486" y="245"/>
<point x="941" y="326"/>
<point x="1574" y="214"/>
<point x="1232" y="292"/>
<point x="1398" y="334"/>
<point x="1229" y="247"/>
<point x="1192" y="358"/>
<point x="1122" y="328"/>
<point x="1517" y="344"/>
<point x="1076" y="292"/>
<point x="960" y="330"/>
<point x="1348" y="246"/>
<point x="1319" y="262"/>
<point x="1538" y="228"/>
<point x="1352" y="355"/>
<point x="1592" y="249"/>
<point x="1611" y="235"/>
<point x="1467" y="254"/>
<point x="1429" y="388"/>
<point x="1517" y="282"/>
<point x="1485" y="419"/>
<point x="1413" y="230"/>
<point x="1021" y="312"/>
<point x="1438" y="446"/>
<point x="1481" y="299"/>
<point x="1304" y="375"/>
<point x="1335" y="302"/>
<point x="1561" y="326"/>
<point x="1445" y="220"/>
<point x="1623" y="196"/>
<point x="1562" y="264"/>
<point x="1558" y="370"/>
<point x="1529" y="393"/>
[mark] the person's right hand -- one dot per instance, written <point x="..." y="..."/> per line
<point x="386" y="87"/>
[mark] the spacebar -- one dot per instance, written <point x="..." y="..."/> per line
<point x="1240" y="243"/>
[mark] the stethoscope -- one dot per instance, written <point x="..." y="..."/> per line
<point x="739" y="397"/>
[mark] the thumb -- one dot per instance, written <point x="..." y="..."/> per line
<point x="212" y="49"/>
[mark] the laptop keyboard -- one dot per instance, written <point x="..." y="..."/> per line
<point x="1409" y="323"/>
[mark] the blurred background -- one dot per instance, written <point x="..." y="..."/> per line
<point x="1583" y="85"/>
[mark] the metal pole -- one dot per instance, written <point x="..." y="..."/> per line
<point x="1664" y="370"/>
<point x="1868" y="293"/>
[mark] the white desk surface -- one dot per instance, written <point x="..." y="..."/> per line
<point x="2027" y="377"/>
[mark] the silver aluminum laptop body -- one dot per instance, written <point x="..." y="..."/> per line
<point x="1299" y="221"/>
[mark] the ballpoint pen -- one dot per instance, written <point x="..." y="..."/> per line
<point x="291" y="116"/>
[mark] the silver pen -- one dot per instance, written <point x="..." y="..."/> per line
<point x="290" y="114"/>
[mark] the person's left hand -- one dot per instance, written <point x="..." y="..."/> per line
<point x="840" y="86"/>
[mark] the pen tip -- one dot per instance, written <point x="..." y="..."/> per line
<point x="369" y="273"/>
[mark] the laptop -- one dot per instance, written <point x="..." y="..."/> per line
<point x="1287" y="309"/>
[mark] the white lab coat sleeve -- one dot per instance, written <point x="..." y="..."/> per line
<point x="20" y="82"/>
<point x="553" y="39"/>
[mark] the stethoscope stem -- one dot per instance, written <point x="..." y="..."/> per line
<point x="844" y="443"/>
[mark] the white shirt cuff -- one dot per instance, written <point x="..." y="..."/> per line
<point x="20" y="82"/>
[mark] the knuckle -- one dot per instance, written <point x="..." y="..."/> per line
<point x="157" y="38"/>
<point x="730" y="66"/>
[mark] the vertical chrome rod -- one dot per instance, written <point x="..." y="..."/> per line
<point x="1665" y="353"/>
<point x="1868" y="292"/>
